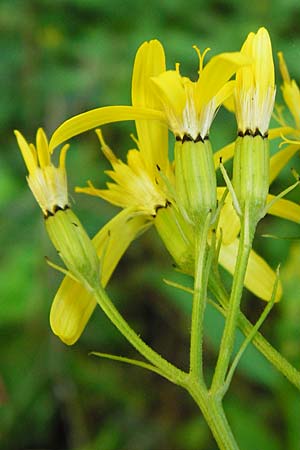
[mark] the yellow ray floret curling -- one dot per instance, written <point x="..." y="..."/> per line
<point x="133" y="187"/>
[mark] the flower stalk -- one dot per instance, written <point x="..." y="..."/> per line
<point x="233" y="311"/>
<point x="202" y="269"/>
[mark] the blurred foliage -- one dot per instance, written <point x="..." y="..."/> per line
<point x="63" y="57"/>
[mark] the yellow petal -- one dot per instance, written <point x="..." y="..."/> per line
<point x="42" y="148"/>
<point x="170" y="89"/>
<point x="260" y="278"/>
<point x="73" y="305"/>
<point x="285" y="209"/>
<point x="290" y="90"/>
<point x="217" y="72"/>
<point x="70" y="311"/>
<point x="264" y="65"/>
<point x="280" y="159"/>
<point x="149" y="62"/>
<point x="224" y="93"/>
<point x="152" y="135"/>
<point x="27" y="153"/>
<point x="280" y="131"/>
<point x="229" y="104"/>
<point x="100" y="116"/>
<point x="229" y="221"/>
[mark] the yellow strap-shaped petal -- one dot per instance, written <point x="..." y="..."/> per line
<point x="260" y="278"/>
<point x="100" y="116"/>
<point x="42" y="148"/>
<point x="152" y="135"/>
<point x="285" y="209"/>
<point x="217" y="72"/>
<point x="229" y="222"/>
<point x="280" y="160"/>
<point x="73" y="304"/>
<point x="280" y="131"/>
<point x="224" y="93"/>
<point x="29" y="155"/>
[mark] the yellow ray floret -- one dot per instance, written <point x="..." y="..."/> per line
<point x="73" y="303"/>
<point x="290" y="91"/>
<point x="260" y="278"/>
<point x="134" y="187"/>
<point x="152" y="134"/>
<point x="47" y="182"/>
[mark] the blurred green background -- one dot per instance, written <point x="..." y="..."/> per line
<point x="59" y="58"/>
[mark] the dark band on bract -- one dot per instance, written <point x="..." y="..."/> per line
<point x="188" y="138"/>
<point x="55" y="209"/>
<point x="158" y="207"/>
<point x="252" y="133"/>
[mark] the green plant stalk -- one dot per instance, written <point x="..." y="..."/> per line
<point x="214" y="415"/>
<point x="260" y="342"/>
<point x="202" y="268"/>
<point x="211" y="409"/>
<point x="167" y="369"/>
<point x="233" y="308"/>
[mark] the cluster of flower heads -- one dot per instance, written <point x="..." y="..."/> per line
<point x="171" y="195"/>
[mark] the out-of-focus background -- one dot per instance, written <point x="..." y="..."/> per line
<point x="62" y="57"/>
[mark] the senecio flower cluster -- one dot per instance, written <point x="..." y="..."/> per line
<point x="178" y="197"/>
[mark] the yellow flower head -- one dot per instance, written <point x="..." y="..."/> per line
<point x="290" y="91"/>
<point x="190" y="106"/>
<point x="49" y="186"/>
<point x="255" y="85"/>
<point x="134" y="187"/>
<point x="47" y="182"/>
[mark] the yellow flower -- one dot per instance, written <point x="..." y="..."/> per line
<point x="138" y="188"/>
<point x="191" y="106"/>
<point x="254" y="97"/>
<point x="47" y="182"/>
<point x="253" y="114"/>
<point x="144" y="189"/>
<point x="186" y="107"/>
<point x="134" y="186"/>
<point x="255" y="85"/>
<point x="49" y="186"/>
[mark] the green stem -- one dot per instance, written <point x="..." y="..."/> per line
<point x="260" y="342"/>
<point x="214" y="415"/>
<point x="167" y="369"/>
<point x="246" y="342"/>
<point x="233" y="309"/>
<point x="199" y="298"/>
<point x="210" y="407"/>
<point x="270" y="353"/>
